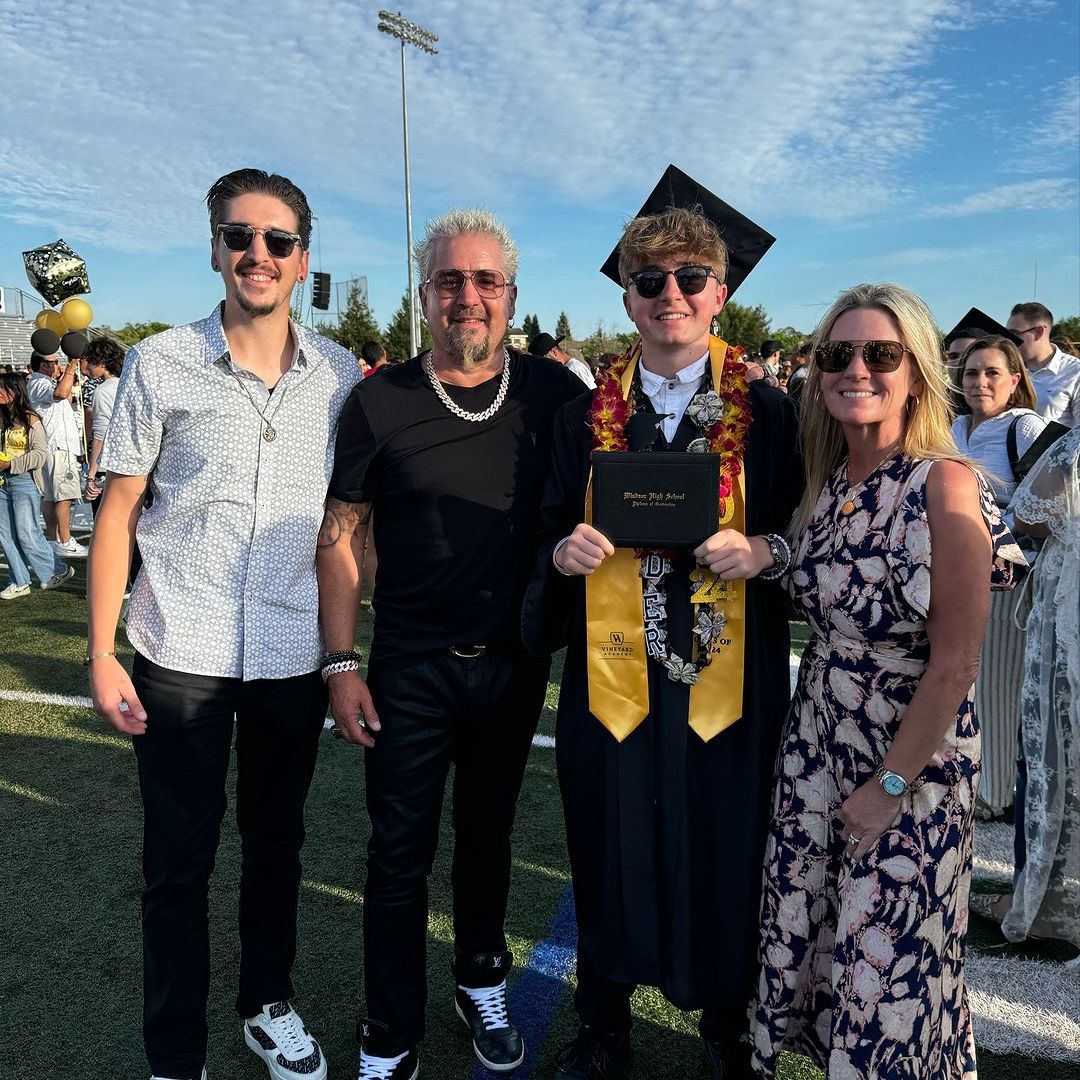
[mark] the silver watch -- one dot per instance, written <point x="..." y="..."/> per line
<point x="891" y="783"/>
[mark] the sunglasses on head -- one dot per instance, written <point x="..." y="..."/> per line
<point x="835" y="356"/>
<point x="690" y="279"/>
<point x="448" y="283"/>
<point x="279" y="243"/>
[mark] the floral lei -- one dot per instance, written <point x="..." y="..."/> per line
<point x="722" y="415"/>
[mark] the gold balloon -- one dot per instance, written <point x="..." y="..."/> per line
<point x="77" y="314"/>
<point x="51" y="320"/>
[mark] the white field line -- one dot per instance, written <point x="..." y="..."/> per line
<point x="30" y="697"/>
<point x="993" y="861"/>
<point x="1029" y="1007"/>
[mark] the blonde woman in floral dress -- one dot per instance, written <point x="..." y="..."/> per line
<point x="867" y="868"/>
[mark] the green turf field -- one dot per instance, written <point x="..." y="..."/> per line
<point x="69" y="878"/>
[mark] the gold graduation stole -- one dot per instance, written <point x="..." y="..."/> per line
<point x="615" y="622"/>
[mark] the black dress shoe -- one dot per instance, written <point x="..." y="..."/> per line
<point x="725" y="1061"/>
<point x="593" y="1055"/>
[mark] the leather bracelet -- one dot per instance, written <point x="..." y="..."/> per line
<point x="781" y="554"/>
<point x="96" y="656"/>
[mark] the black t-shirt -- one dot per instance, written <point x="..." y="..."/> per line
<point x="456" y="503"/>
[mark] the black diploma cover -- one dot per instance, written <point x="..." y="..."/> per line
<point x="655" y="500"/>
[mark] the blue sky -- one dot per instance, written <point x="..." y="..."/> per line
<point x="931" y="142"/>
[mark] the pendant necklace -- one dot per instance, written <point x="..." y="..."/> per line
<point x="453" y="406"/>
<point x="849" y="504"/>
<point x="269" y="433"/>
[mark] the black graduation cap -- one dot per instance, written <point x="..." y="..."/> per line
<point x="977" y="324"/>
<point x="746" y="242"/>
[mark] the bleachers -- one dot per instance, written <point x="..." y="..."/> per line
<point x="15" y="340"/>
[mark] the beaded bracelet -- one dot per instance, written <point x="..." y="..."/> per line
<point x="337" y="667"/>
<point x="781" y="554"/>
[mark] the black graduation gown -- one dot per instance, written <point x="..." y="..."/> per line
<point x="666" y="832"/>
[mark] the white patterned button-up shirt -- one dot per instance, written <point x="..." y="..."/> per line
<point x="228" y="583"/>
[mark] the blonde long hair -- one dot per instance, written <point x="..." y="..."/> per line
<point x="928" y="430"/>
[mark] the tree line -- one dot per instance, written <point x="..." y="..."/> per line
<point x="738" y="324"/>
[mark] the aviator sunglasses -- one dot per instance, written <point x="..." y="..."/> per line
<point x="448" y="283"/>
<point x="279" y="243"/>
<point x="879" y="356"/>
<point x="690" y="279"/>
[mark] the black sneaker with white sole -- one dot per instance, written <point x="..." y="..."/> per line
<point x="480" y="1001"/>
<point x="278" y="1036"/>
<point x="378" y="1061"/>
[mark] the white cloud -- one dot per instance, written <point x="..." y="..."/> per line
<point x="798" y="108"/>
<point x="1059" y="129"/>
<point x="1046" y="194"/>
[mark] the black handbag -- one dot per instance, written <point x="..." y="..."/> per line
<point x="1047" y="437"/>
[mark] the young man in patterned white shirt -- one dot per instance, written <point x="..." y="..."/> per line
<point x="228" y="423"/>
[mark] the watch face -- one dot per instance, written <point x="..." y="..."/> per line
<point x="894" y="785"/>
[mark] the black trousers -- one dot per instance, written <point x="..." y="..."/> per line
<point x="183" y="760"/>
<point x="481" y="715"/>
<point x="605" y="1005"/>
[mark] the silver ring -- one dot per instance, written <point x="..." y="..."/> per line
<point x="853" y="839"/>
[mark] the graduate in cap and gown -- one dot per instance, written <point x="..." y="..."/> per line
<point x="676" y="679"/>
<point x="974" y="326"/>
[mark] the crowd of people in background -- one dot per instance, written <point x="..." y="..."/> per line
<point x="797" y="869"/>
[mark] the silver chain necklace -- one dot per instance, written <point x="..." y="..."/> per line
<point x="453" y="406"/>
<point x="269" y="431"/>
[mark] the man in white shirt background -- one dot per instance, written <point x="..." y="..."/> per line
<point x="546" y="345"/>
<point x="50" y="392"/>
<point x="1054" y="374"/>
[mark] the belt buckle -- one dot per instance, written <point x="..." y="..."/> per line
<point x="468" y="652"/>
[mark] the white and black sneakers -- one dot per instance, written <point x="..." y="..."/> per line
<point x="59" y="578"/>
<point x="278" y="1036"/>
<point x="377" y="1061"/>
<point x="496" y="1042"/>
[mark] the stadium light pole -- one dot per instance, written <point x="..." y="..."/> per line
<point x="408" y="33"/>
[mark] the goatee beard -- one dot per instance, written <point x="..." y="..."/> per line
<point x="256" y="310"/>
<point x="469" y="350"/>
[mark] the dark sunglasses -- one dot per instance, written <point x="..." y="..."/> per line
<point x="835" y="356"/>
<point x="690" y="279"/>
<point x="490" y="284"/>
<point x="279" y="243"/>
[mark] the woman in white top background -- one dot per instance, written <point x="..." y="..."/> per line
<point x="998" y="390"/>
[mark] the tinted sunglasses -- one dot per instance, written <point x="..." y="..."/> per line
<point x="279" y="243"/>
<point x="448" y="283"/>
<point x="690" y="279"/>
<point x="879" y="356"/>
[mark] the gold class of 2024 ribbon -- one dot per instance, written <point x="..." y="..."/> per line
<point x="615" y="624"/>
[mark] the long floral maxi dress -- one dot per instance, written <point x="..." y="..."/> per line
<point x="863" y="963"/>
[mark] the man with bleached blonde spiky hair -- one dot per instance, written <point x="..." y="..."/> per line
<point x="446" y="457"/>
